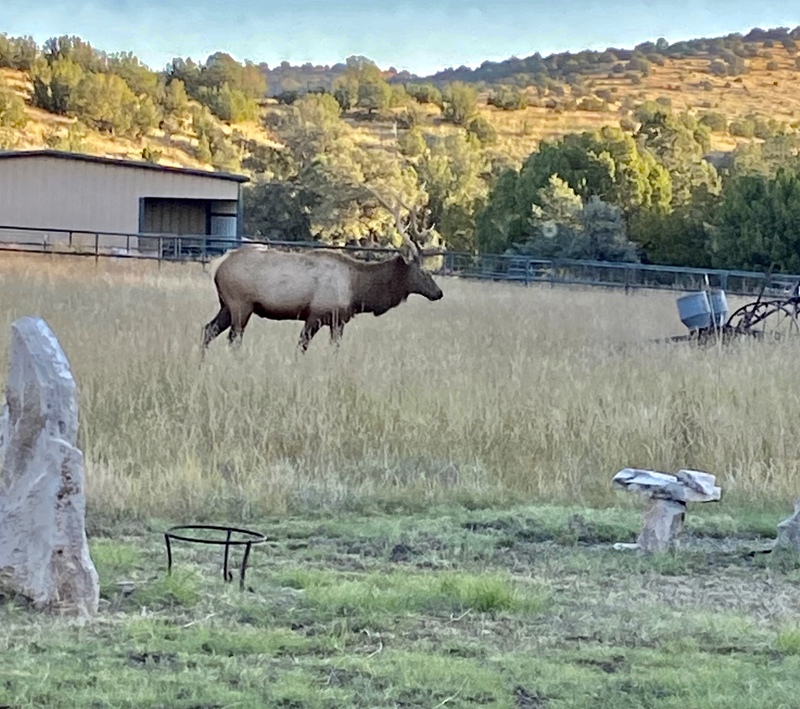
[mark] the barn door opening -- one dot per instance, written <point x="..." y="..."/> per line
<point x="179" y="217"/>
<point x="188" y="218"/>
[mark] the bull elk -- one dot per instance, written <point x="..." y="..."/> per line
<point x="322" y="288"/>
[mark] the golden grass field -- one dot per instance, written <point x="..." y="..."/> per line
<point x="495" y="393"/>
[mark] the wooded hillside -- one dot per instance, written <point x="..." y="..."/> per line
<point x="680" y="153"/>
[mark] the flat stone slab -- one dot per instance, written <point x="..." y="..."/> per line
<point x="685" y="486"/>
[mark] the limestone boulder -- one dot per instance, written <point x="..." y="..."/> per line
<point x="44" y="552"/>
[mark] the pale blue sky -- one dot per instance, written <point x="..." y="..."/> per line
<point x="422" y="36"/>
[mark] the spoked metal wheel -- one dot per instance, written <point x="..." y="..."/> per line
<point x="772" y="321"/>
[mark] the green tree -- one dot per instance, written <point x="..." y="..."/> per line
<point x="425" y="93"/>
<point x="54" y="83"/>
<point x="329" y="169"/>
<point x="678" y="236"/>
<point x="374" y="96"/>
<point x="755" y="224"/>
<point x="412" y="143"/>
<point x="76" y="50"/>
<point x="213" y="145"/>
<point x="12" y="109"/>
<point x="767" y="157"/>
<point x="106" y="102"/>
<point x="483" y="130"/>
<point x="496" y="224"/>
<point x="362" y="85"/>
<point x="604" y="233"/>
<point x="560" y="225"/>
<point x="460" y="103"/>
<point x="679" y="143"/>
<point x="452" y="171"/>
<point x="221" y="68"/>
<point x="608" y="164"/>
<point x="228" y="104"/>
<point x="311" y="127"/>
<point x="186" y="71"/>
<point x="277" y="210"/>
<point x="176" y="102"/>
<point x="141" y="80"/>
<point x="145" y="117"/>
<point x="508" y="99"/>
<point x="18" y="52"/>
<point x="715" y="120"/>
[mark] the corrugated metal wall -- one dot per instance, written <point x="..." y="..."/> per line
<point x="50" y="192"/>
<point x="175" y="216"/>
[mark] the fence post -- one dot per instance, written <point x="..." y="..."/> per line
<point x="96" y="248"/>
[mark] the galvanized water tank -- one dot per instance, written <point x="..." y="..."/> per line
<point x="719" y="307"/>
<point x="694" y="310"/>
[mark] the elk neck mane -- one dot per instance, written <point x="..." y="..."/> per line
<point x="379" y="286"/>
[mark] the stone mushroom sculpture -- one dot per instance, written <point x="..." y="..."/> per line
<point x="670" y="494"/>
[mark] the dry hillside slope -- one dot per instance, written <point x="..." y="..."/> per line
<point x="769" y="89"/>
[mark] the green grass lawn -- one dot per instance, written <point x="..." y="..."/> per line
<point x="528" y="607"/>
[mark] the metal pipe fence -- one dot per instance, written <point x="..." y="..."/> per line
<point x="522" y="270"/>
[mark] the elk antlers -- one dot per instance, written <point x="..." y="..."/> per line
<point x="415" y="240"/>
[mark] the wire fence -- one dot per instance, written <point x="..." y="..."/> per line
<point x="522" y="270"/>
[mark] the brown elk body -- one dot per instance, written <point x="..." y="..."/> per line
<point x="322" y="288"/>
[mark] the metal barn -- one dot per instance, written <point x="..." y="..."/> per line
<point x="86" y="203"/>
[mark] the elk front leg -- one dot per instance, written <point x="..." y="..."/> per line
<point x="337" y="330"/>
<point x="239" y="320"/>
<point x="310" y="329"/>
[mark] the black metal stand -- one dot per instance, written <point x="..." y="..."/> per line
<point x="251" y="539"/>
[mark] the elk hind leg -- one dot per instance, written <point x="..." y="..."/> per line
<point x="220" y="323"/>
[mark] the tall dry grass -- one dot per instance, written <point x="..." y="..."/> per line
<point x="495" y="392"/>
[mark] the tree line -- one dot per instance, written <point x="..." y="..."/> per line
<point x="643" y="189"/>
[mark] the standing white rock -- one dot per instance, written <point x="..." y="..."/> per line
<point x="44" y="553"/>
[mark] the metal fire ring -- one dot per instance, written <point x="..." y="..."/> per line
<point x="253" y="538"/>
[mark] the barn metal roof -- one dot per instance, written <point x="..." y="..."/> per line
<point x="117" y="162"/>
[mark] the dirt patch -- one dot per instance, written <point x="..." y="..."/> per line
<point x="610" y="665"/>
<point x="528" y="699"/>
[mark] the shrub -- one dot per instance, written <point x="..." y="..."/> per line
<point x="718" y="68"/>
<point x="592" y="103"/>
<point x="483" y="130"/>
<point x="508" y="99"/>
<point x="12" y="110"/>
<point x="742" y="127"/>
<point x="715" y="120"/>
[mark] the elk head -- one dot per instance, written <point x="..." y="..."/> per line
<point x="420" y="281"/>
<point x="413" y="230"/>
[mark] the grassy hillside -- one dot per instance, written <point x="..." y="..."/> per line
<point x="50" y="130"/>
<point x="585" y="101"/>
